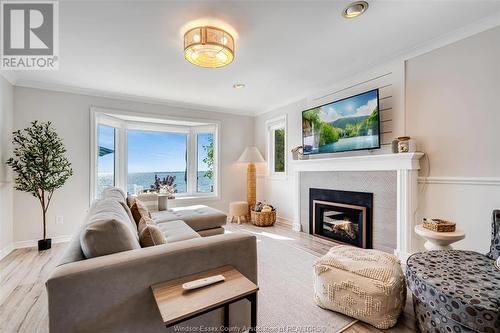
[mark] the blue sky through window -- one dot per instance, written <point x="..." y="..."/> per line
<point x="106" y="137"/>
<point x="156" y="151"/>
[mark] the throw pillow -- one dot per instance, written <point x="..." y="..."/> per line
<point x="143" y="223"/>
<point x="138" y="211"/>
<point x="151" y="235"/>
<point x="130" y="201"/>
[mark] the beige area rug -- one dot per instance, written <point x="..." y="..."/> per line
<point x="285" y="301"/>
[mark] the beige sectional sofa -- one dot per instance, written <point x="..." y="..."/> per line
<point x="103" y="281"/>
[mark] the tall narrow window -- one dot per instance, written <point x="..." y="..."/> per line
<point x="276" y="146"/>
<point x="156" y="159"/>
<point x="279" y="150"/>
<point x="205" y="164"/>
<point x="106" y="158"/>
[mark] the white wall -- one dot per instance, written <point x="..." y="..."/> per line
<point x="448" y="100"/>
<point x="6" y="192"/>
<point x="453" y="110"/>
<point x="277" y="190"/>
<point x="70" y="115"/>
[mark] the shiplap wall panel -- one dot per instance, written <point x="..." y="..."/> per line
<point x="386" y="101"/>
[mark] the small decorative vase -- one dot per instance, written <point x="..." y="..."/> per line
<point x="394" y="146"/>
<point x="44" y="244"/>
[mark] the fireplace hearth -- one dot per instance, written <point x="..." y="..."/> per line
<point x="341" y="216"/>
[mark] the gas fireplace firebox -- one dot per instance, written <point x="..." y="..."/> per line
<point x="341" y="216"/>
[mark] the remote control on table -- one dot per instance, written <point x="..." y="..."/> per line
<point x="203" y="282"/>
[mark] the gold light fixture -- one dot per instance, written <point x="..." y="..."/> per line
<point x="355" y="9"/>
<point x="209" y="47"/>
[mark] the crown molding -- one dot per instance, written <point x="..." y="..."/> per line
<point x="373" y="69"/>
<point x="9" y="77"/>
<point x="127" y="97"/>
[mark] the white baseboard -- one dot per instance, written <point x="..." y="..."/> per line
<point x="34" y="242"/>
<point x="285" y="221"/>
<point x="6" y="250"/>
<point x="402" y="256"/>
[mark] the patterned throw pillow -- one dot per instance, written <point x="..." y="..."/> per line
<point x="495" y="236"/>
<point x="151" y="235"/>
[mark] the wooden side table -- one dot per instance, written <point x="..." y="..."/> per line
<point x="177" y="305"/>
<point x="438" y="240"/>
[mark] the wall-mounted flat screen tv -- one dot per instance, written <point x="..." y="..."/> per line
<point x="348" y="124"/>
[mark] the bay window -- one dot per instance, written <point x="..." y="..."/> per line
<point x="137" y="153"/>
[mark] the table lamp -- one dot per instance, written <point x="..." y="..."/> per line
<point x="251" y="155"/>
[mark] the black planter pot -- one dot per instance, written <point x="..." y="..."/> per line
<point x="44" y="244"/>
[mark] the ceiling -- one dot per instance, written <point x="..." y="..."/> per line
<point x="285" y="50"/>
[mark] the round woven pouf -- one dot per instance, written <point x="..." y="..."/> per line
<point x="238" y="209"/>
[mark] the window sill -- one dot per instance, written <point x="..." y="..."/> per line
<point x="193" y="198"/>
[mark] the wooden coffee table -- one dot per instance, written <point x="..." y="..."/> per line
<point x="177" y="305"/>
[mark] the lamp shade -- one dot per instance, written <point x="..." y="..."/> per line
<point x="251" y="155"/>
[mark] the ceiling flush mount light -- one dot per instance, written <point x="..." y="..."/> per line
<point x="238" y="85"/>
<point x="209" y="47"/>
<point x="355" y="9"/>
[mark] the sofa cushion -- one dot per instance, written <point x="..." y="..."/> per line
<point x="175" y="231"/>
<point x="198" y="217"/>
<point x="107" y="230"/>
<point x="151" y="235"/>
<point x="114" y="193"/>
<point x="139" y="211"/>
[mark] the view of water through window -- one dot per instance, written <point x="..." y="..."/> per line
<point x="106" y="158"/>
<point x="153" y="154"/>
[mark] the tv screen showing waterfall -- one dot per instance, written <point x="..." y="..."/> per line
<point x="348" y="124"/>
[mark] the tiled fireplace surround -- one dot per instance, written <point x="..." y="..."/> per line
<point x="392" y="178"/>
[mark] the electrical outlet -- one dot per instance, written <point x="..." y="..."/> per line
<point x="59" y="219"/>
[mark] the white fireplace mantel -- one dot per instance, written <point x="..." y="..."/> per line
<point x="406" y="165"/>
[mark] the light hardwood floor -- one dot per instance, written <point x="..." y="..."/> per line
<point x="23" y="299"/>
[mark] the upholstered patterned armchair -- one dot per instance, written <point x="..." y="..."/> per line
<point x="457" y="291"/>
<point x="495" y="236"/>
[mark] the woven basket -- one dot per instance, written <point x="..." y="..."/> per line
<point x="439" y="227"/>
<point x="263" y="219"/>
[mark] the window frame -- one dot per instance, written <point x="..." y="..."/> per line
<point x="115" y="119"/>
<point x="271" y="126"/>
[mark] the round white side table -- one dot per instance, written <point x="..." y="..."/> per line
<point x="438" y="240"/>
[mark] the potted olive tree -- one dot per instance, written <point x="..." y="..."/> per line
<point x="40" y="166"/>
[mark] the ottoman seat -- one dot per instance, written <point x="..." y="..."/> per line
<point x="368" y="285"/>
<point x="198" y="217"/>
<point x="454" y="291"/>
<point x="238" y="209"/>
